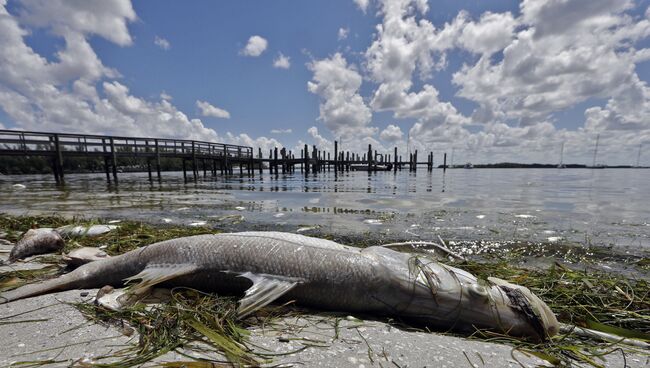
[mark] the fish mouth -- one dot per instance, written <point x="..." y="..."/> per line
<point x="528" y="305"/>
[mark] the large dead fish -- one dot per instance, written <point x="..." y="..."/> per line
<point x="270" y="266"/>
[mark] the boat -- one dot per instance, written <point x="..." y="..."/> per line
<point x="468" y="165"/>
<point x="373" y="167"/>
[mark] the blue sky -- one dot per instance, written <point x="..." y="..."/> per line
<point x="497" y="80"/>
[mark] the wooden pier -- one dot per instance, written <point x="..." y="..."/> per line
<point x="196" y="156"/>
<point x="58" y="146"/>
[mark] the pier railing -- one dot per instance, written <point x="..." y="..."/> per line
<point x="110" y="148"/>
<point x="38" y="143"/>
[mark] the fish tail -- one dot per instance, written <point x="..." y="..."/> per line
<point x="92" y="275"/>
<point x="64" y="282"/>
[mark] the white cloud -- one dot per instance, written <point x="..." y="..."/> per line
<point x="282" y="62"/>
<point x="342" y="109"/>
<point x="321" y="142"/>
<point x="391" y="134"/>
<point x="406" y="46"/>
<point x="255" y="46"/>
<point x="61" y="95"/>
<point x="343" y="33"/>
<point x="362" y="4"/>
<point x="263" y="143"/>
<point x="562" y="55"/>
<point x="281" y="131"/>
<point x="209" y="110"/>
<point x="106" y="18"/>
<point x="165" y="96"/>
<point x="162" y="43"/>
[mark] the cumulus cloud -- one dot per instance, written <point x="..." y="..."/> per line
<point x="282" y="62"/>
<point x="562" y="54"/>
<point x="107" y="19"/>
<point x="406" y="47"/>
<point x="522" y="71"/>
<point x="209" y="110"/>
<point x="281" y="131"/>
<point x="343" y="33"/>
<point x="162" y="43"/>
<point x="362" y="4"/>
<point x="263" y="143"/>
<point x="255" y="46"/>
<point x="342" y="108"/>
<point x="76" y="92"/>
<point x="391" y="134"/>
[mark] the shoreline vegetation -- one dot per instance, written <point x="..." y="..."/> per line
<point x="605" y="302"/>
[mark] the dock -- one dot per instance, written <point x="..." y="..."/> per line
<point x="195" y="156"/>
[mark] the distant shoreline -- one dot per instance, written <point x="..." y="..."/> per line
<point x="514" y="165"/>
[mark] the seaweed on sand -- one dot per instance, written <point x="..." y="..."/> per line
<point x="201" y="325"/>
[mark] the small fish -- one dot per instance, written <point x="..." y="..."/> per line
<point x="71" y="231"/>
<point x="37" y="241"/>
<point x="81" y="256"/>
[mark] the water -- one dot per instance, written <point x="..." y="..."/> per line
<point x="473" y="209"/>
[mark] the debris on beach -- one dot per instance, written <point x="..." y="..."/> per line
<point x="306" y="228"/>
<point x="373" y="222"/>
<point x="37" y="241"/>
<point x="18" y="186"/>
<point x="197" y="223"/>
<point x="81" y="256"/>
<point x="524" y="216"/>
<point x="72" y="231"/>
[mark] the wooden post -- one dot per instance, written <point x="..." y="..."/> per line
<point x="158" y="160"/>
<point x="195" y="169"/>
<point x="259" y="155"/>
<point x="106" y="164"/>
<point x="239" y="158"/>
<point x="58" y="158"/>
<point x="415" y="161"/>
<point x="314" y="156"/>
<point x="225" y="164"/>
<point x="369" y="156"/>
<point x="395" y="167"/>
<point x="306" y="159"/>
<point x="444" y="163"/>
<point x="275" y="159"/>
<point x="146" y="150"/>
<point x="114" y="159"/>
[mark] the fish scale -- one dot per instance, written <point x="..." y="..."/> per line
<point x="268" y="266"/>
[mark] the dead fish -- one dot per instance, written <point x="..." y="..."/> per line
<point x="37" y="241"/>
<point x="81" y="256"/>
<point x="270" y="266"/>
<point x="80" y="231"/>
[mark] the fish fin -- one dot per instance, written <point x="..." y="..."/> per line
<point x="265" y="289"/>
<point x="157" y="273"/>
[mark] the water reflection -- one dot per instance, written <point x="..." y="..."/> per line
<point x="607" y="204"/>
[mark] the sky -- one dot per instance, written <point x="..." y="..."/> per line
<point x="491" y="81"/>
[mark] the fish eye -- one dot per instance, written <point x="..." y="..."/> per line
<point x="477" y="290"/>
